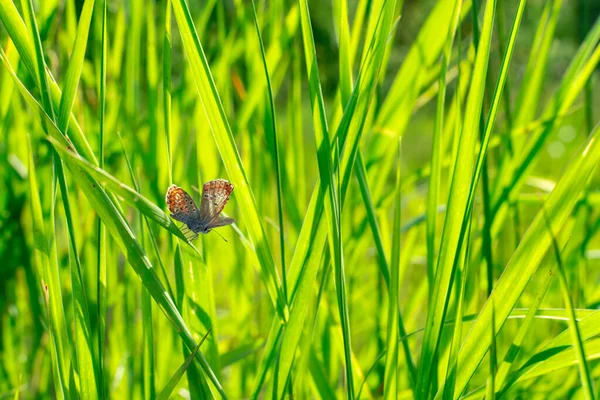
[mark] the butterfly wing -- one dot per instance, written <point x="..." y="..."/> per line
<point x="215" y="195"/>
<point x="221" y="221"/>
<point x="182" y="206"/>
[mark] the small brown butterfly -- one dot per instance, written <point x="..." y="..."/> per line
<point x="215" y="195"/>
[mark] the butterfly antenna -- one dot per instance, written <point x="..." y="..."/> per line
<point x="217" y="232"/>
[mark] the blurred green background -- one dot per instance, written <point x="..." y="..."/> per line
<point x="149" y="112"/>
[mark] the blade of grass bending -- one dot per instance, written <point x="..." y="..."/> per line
<point x="526" y="258"/>
<point x="457" y="205"/>
<point x="558" y="353"/>
<point x="172" y="383"/>
<point x="437" y="147"/>
<point x="121" y="232"/>
<point x="548" y="363"/>
<point x="391" y="380"/>
<point x="275" y="151"/>
<point x="137" y="187"/>
<point x="227" y="147"/>
<point x="584" y="371"/>
<point x="128" y="194"/>
<point x="327" y="183"/>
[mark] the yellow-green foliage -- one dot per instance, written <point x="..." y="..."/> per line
<point x="415" y="193"/>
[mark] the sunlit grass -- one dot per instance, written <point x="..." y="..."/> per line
<point x="415" y="191"/>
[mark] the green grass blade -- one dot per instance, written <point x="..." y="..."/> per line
<point x="437" y="147"/>
<point x="53" y="274"/>
<point x="75" y="65"/>
<point x="584" y="370"/>
<point x="102" y="287"/>
<point x="517" y="342"/>
<point x="49" y="281"/>
<point x="275" y="151"/>
<point x="531" y="90"/>
<point x="392" y="371"/>
<point x="172" y="383"/>
<point x="345" y="64"/>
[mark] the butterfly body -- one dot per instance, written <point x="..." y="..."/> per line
<point x="215" y="195"/>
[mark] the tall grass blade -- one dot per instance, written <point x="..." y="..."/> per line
<point x="172" y="383"/>
<point x="391" y="380"/>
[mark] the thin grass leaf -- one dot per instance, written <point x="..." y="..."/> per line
<point x="515" y="347"/>
<point x="275" y="151"/>
<point x="75" y="65"/>
<point x="172" y="383"/>
<point x="584" y="371"/>
<point x="102" y="287"/>
<point x="392" y="371"/>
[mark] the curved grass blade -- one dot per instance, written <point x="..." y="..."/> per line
<point x="172" y="383"/>
<point x="130" y="195"/>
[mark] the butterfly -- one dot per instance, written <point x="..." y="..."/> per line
<point x="215" y="195"/>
